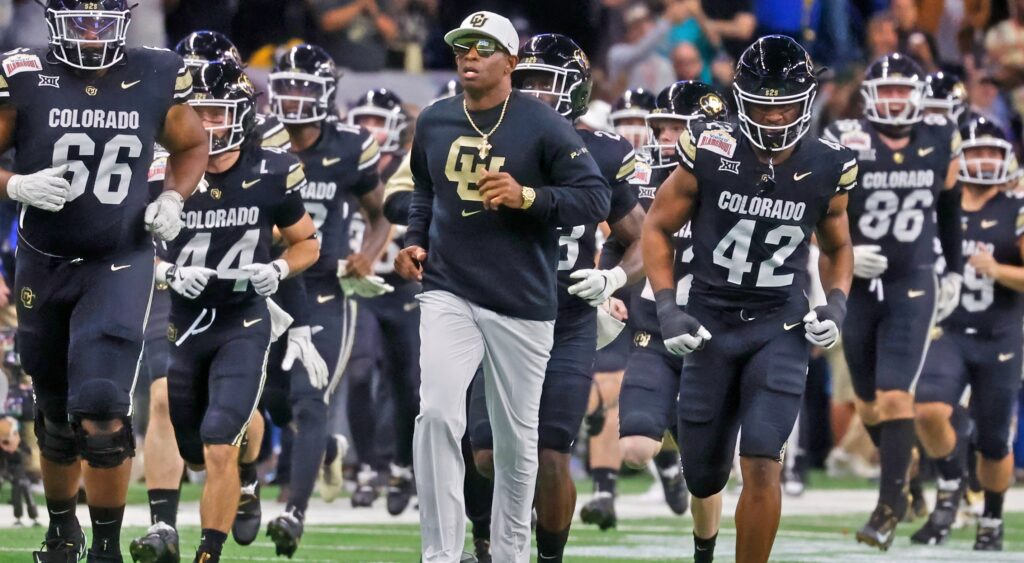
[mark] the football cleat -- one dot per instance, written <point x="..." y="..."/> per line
<point x="366" y="490"/>
<point x="600" y="511"/>
<point x="990" y="535"/>
<point x="674" y="485"/>
<point x="159" y="545"/>
<point x="285" y="531"/>
<point x="469" y="558"/>
<point x="249" y="515"/>
<point x="206" y="557"/>
<point x="936" y="530"/>
<point x="60" y="549"/>
<point x="482" y="550"/>
<point x="792" y="483"/>
<point x="331" y="481"/>
<point x="880" y="531"/>
<point x="400" y="489"/>
<point x="917" y="507"/>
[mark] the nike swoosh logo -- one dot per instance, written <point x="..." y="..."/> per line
<point x="1006" y="357"/>
<point x="250" y="183"/>
<point x="330" y="161"/>
<point x="98" y="523"/>
<point x="127" y="85"/>
<point x="324" y="298"/>
<point x="248" y="324"/>
<point x="988" y="224"/>
<point x="925" y="151"/>
<point x="115" y="267"/>
<point x="915" y="293"/>
<point x="884" y="537"/>
<point x="788" y="326"/>
<point x="798" y="176"/>
<point x="467" y="213"/>
<point x="158" y="501"/>
<point x="410" y="306"/>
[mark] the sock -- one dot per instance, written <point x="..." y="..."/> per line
<point x="212" y="541"/>
<point x="704" y="549"/>
<point x="950" y="468"/>
<point x="106" y="529"/>
<point x="994" y="505"/>
<point x="604" y="479"/>
<point x="247" y="472"/>
<point x="331" y="451"/>
<point x="62" y="516"/>
<point x="897" y="442"/>
<point x="667" y="463"/>
<point x="163" y="506"/>
<point x="916" y="487"/>
<point x="296" y="511"/>
<point x="875" y="433"/>
<point x="550" y="545"/>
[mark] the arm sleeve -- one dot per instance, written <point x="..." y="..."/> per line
<point x="369" y="155"/>
<point x="686" y="150"/>
<point x="291" y="209"/>
<point x="182" y="84"/>
<point x="950" y="229"/>
<point x="276" y="137"/>
<point x="421" y="205"/>
<point x="578" y="193"/>
<point x="848" y="176"/>
<point x="398" y="193"/>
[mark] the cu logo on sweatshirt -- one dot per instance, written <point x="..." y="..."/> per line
<point x="465" y="164"/>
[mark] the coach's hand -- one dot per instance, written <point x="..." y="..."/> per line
<point x="409" y="263"/>
<point x="681" y="332"/>
<point x="949" y="295"/>
<point x="46" y="189"/>
<point x="187" y="281"/>
<point x="596" y="286"/>
<point x="163" y="216"/>
<point x="357" y="264"/>
<point x="300" y="347"/>
<point x="868" y="261"/>
<point x="266" y="277"/>
<point x="500" y="188"/>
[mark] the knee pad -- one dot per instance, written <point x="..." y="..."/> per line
<point x="703" y="484"/>
<point x="993" y="448"/>
<point x="97" y="400"/>
<point x="555" y="438"/>
<point x="56" y="440"/>
<point x="105" y="448"/>
<point x="222" y="426"/>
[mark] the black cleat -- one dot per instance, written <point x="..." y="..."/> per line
<point x="917" y="507"/>
<point x="482" y="550"/>
<point x="159" y="545"/>
<point x="674" y="485"/>
<point x="880" y="531"/>
<point x="286" y="532"/>
<point x="940" y="522"/>
<point x="206" y="557"/>
<point x="990" y="535"/>
<point x="400" y="490"/>
<point x="60" y="549"/>
<point x="366" y="489"/>
<point x="600" y="511"/>
<point x="248" y="518"/>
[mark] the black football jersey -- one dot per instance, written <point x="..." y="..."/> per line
<point x="104" y="128"/>
<point x="340" y="167"/>
<point x="895" y="205"/>
<point x="577" y="246"/>
<point x="272" y="132"/>
<point x="996" y="228"/>
<point x="751" y="226"/>
<point x="231" y="223"/>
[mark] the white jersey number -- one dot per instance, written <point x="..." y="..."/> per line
<point x="883" y="211"/>
<point x="979" y="291"/>
<point x="230" y="267"/>
<point x="107" y="191"/>
<point x="738" y="240"/>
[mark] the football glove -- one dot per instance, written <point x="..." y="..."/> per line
<point x="821" y="325"/>
<point x="596" y="286"/>
<point x="266" y="277"/>
<point x="300" y="347"/>
<point x="868" y="261"/>
<point x="187" y="281"/>
<point x="681" y="332"/>
<point x="163" y="215"/>
<point x="46" y="189"/>
<point x="949" y="295"/>
<point x="368" y="286"/>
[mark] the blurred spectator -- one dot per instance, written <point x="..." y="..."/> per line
<point x="148" y="26"/>
<point x="186" y="16"/>
<point x="636" y="63"/>
<point x="834" y="42"/>
<point x="913" y="40"/>
<point x="270" y="22"/>
<point x="882" y="37"/>
<point x="695" y="29"/>
<point x="28" y="26"/>
<point x="1004" y="44"/>
<point x="355" y="32"/>
<point x="687" y="63"/>
<point x="733" y="21"/>
<point x="781" y="17"/>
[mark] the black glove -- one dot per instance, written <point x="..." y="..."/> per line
<point x="681" y="333"/>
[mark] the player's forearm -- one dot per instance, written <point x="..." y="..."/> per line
<point x="657" y="255"/>
<point x="629" y="230"/>
<point x="301" y="255"/>
<point x="185" y="169"/>
<point x="835" y="267"/>
<point x="1009" y="276"/>
<point x="5" y="176"/>
<point x="377" y="235"/>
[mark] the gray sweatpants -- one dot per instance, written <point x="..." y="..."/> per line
<point x="455" y="336"/>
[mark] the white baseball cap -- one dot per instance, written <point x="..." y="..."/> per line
<point x="492" y="25"/>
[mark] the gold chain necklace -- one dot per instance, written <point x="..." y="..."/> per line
<point x="485" y="147"/>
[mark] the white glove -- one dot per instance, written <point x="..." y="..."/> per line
<point x="163" y="215"/>
<point x="369" y="286"/>
<point x="46" y="189"/>
<point x="266" y="277"/>
<point x="822" y="333"/>
<point x="597" y="285"/>
<point x="868" y="261"/>
<point x="187" y="281"/>
<point x="949" y="295"/>
<point x="685" y="343"/>
<point x="300" y="347"/>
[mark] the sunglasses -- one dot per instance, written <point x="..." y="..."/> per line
<point x="485" y="47"/>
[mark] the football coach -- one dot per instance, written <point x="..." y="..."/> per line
<point x="495" y="173"/>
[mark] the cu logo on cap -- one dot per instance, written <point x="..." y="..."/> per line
<point x="478" y="20"/>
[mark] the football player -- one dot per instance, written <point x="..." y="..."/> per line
<point x="980" y="343"/>
<point x="340" y="164"/>
<point x="909" y="196"/>
<point x="945" y="94"/>
<point x="629" y="113"/>
<point x="221" y="272"/>
<point x="553" y="68"/>
<point x="753" y="202"/>
<point x="84" y="115"/>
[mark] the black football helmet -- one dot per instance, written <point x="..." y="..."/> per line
<point x="774" y="71"/>
<point x="900" y="113"/>
<point x="977" y="132"/>
<point x="199" y="47"/>
<point x="946" y="94"/>
<point x="628" y="115"/>
<point x="303" y="85"/>
<point x="88" y="35"/>
<point x="384" y="104"/>
<point x="553" y="65"/>
<point x="451" y="88"/>
<point x="223" y="85"/>
<point x="682" y="102"/>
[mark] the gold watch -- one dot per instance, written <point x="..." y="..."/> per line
<point x="529" y="196"/>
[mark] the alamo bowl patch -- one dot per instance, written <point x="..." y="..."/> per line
<point x="21" y="63"/>
<point x="642" y="174"/>
<point x="718" y="142"/>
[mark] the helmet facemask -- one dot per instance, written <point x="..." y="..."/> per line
<point x="986" y="168"/>
<point x="556" y="86"/>
<point x="394" y="124"/>
<point x="899" y="111"/>
<point x="774" y="138"/>
<point x="229" y="117"/>
<point x="299" y="97"/>
<point x="88" y="39"/>
<point x="658" y="152"/>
